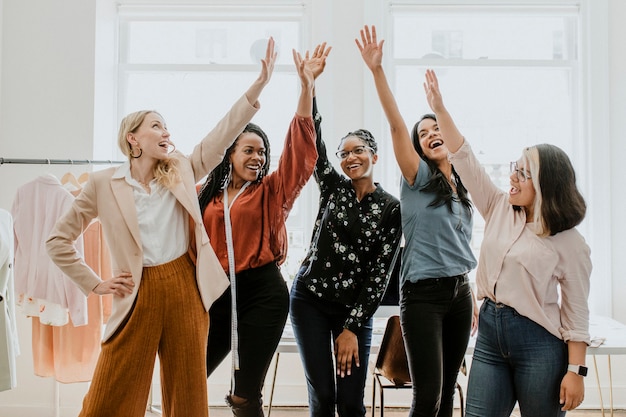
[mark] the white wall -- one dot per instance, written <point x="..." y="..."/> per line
<point x="616" y="150"/>
<point x="47" y="103"/>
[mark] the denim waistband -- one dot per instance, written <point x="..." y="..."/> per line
<point x="493" y="304"/>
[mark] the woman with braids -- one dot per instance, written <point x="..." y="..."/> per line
<point x="166" y="275"/>
<point x="436" y="307"/>
<point x="244" y="208"/>
<point x="343" y="277"/>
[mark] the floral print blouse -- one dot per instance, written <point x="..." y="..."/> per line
<point x="354" y="244"/>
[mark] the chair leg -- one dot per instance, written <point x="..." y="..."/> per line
<point x="461" y="399"/>
<point x="374" y="395"/>
<point x="382" y="401"/>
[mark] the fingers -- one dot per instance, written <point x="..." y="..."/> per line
<point x="297" y="59"/>
<point x="344" y="365"/>
<point x="358" y="44"/>
<point x="120" y="285"/>
<point x="269" y="51"/>
<point x="270" y="59"/>
<point x="346" y="351"/>
<point x="320" y="51"/>
<point x="572" y="392"/>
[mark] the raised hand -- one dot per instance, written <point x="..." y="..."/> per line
<point x="267" y="63"/>
<point x="433" y="95"/>
<point x="317" y="62"/>
<point x="371" y="50"/>
<point x="304" y="71"/>
<point x="267" y="69"/>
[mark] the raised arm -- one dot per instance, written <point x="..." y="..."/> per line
<point x="317" y="61"/>
<point x="324" y="169"/>
<point x="372" y="54"/>
<point x="447" y="127"/>
<point x="307" y="81"/>
<point x="267" y="68"/>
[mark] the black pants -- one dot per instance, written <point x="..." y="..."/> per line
<point x="436" y="317"/>
<point x="262" y="308"/>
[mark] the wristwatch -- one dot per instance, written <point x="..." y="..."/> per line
<point x="578" y="369"/>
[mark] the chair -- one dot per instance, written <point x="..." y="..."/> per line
<point x="392" y="370"/>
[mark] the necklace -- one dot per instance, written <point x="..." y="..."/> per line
<point x="145" y="185"/>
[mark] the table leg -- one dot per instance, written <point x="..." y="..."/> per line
<point x="595" y="365"/>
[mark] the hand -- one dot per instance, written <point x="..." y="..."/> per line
<point x="120" y="285"/>
<point x="346" y="348"/>
<point x="317" y="62"/>
<point x="572" y="391"/>
<point x="371" y="50"/>
<point x="475" y="314"/>
<point x="267" y="63"/>
<point x="304" y="71"/>
<point x="433" y="95"/>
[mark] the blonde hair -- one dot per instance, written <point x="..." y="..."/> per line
<point x="166" y="171"/>
<point x="530" y="156"/>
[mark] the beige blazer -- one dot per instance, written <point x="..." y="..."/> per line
<point x="111" y="200"/>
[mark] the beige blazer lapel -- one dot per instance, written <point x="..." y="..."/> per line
<point x="189" y="201"/>
<point x="123" y="194"/>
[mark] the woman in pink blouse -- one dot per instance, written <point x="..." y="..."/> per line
<point x="531" y="344"/>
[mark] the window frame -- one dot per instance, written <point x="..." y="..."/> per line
<point x="589" y="157"/>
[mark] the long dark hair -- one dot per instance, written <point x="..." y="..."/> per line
<point x="438" y="184"/>
<point x="221" y="175"/>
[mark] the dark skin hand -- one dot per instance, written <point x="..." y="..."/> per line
<point x="346" y="349"/>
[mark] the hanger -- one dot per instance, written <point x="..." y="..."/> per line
<point x="69" y="178"/>
<point x="83" y="178"/>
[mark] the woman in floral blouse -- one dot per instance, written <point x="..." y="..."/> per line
<point x="343" y="278"/>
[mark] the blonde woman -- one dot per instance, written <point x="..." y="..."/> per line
<point x="166" y="273"/>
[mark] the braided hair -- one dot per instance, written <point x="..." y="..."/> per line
<point x="365" y="136"/>
<point x="222" y="174"/>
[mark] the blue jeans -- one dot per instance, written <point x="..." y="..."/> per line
<point x="515" y="359"/>
<point x="436" y="317"/>
<point x="316" y="324"/>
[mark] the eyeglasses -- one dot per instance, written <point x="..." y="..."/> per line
<point x="359" y="150"/>
<point x="522" y="175"/>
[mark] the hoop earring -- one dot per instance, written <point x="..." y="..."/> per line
<point x="133" y="155"/>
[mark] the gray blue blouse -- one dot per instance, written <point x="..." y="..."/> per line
<point x="437" y="242"/>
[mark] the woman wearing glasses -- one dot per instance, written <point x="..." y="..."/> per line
<point x="344" y="275"/>
<point x="530" y="253"/>
<point x="436" y="302"/>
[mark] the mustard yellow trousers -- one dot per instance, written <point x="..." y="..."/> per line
<point x="168" y="318"/>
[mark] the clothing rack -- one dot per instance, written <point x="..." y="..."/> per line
<point x="58" y="161"/>
<point x="47" y="161"/>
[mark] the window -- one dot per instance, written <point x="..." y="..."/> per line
<point x="191" y="63"/>
<point x="512" y="75"/>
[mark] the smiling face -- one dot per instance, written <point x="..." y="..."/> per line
<point x="152" y="137"/>
<point x="359" y="161"/>
<point x="522" y="192"/>
<point x="248" y="157"/>
<point x="430" y="140"/>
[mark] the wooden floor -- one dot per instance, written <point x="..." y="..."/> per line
<point x="389" y="412"/>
